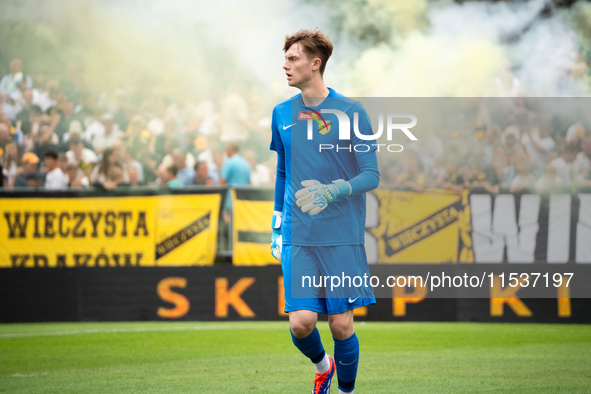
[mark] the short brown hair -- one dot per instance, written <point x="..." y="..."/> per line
<point x="315" y="44"/>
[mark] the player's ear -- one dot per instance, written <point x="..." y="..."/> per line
<point x="316" y="64"/>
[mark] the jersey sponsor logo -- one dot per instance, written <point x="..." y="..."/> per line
<point x="352" y="300"/>
<point x="287" y="127"/>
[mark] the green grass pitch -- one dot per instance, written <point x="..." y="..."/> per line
<point x="258" y="357"/>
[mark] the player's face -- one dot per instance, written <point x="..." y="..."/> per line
<point x="297" y="66"/>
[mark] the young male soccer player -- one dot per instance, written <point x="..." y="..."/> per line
<point x="319" y="219"/>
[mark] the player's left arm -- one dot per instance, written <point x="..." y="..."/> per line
<point x="369" y="174"/>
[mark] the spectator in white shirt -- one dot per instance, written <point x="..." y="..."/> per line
<point x="8" y="84"/>
<point x="563" y="164"/>
<point x="55" y="178"/>
<point x="107" y="135"/>
<point x="523" y="181"/>
<point x="538" y="144"/>
<point x="80" y="156"/>
<point x="42" y="95"/>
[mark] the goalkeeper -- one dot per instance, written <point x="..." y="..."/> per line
<point x="319" y="219"/>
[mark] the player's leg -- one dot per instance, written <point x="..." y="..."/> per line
<point x="306" y="338"/>
<point x="303" y="312"/>
<point x="345" y="261"/>
<point x="346" y="349"/>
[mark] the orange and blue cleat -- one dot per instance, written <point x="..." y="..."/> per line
<point x="322" y="381"/>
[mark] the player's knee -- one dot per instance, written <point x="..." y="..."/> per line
<point x="302" y="328"/>
<point x="341" y="328"/>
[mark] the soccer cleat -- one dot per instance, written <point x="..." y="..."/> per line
<point x="322" y="381"/>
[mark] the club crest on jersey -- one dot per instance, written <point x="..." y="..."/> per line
<point x="324" y="126"/>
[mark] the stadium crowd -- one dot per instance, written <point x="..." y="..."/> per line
<point x="54" y="134"/>
<point x="516" y="146"/>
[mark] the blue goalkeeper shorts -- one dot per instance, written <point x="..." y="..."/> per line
<point x="326" y="279"/>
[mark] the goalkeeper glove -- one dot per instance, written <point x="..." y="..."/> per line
<point x="315" y="196"/>
<point x="276" y="238"/>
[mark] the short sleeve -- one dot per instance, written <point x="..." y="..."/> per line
<point x="226" y="169"/>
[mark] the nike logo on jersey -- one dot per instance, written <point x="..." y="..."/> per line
<point x="342" y="363"/>
<point x="352" y="300"/>
<point x="287" y="127"/>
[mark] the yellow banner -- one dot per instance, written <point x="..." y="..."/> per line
<point x="251" y="231"/>
<point x="162" y="230"/>
<point x="426" y="227"/>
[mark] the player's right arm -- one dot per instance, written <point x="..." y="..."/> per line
<point x="277" y="146"/>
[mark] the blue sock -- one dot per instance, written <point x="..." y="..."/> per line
<point x="310" y="346"/>
<point x="346" y="355"/>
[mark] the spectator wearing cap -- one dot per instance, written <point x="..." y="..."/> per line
<point x="105" y="137"/>
<point x="55" y="178"/>
<point x="9" y="82"/>
<point x="29" y="165"/>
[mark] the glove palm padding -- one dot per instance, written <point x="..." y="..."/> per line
<point x="315" y="196"/>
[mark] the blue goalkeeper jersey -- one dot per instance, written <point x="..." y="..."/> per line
<point x="318" y="153"/>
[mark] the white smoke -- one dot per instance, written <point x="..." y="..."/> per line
<point x="203" y="46"/>
<point x="466" y="47"/>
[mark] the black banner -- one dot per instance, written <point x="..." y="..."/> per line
<point x="226" y="293"/>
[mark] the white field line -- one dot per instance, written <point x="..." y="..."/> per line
<point x="19" y="375"/>
<point x="128" y="330"/>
